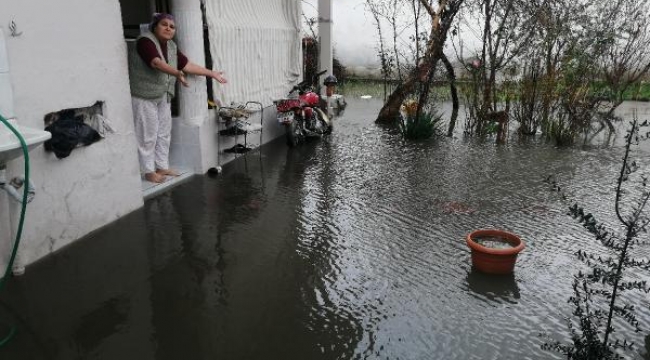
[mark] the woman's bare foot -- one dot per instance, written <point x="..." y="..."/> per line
<point x="167" y="172"/>
<point x="154" y="177"/>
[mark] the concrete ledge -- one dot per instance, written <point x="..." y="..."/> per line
<point x="150" y="189"/>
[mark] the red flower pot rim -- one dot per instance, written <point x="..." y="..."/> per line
<point x="511" y="238"/>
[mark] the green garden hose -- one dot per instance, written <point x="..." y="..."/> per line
<point x="19" y="232"/>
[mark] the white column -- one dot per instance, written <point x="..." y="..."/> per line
<point x="325" y="41"/>
<point x="193" y="100"/>
<point x="6" y="92"/>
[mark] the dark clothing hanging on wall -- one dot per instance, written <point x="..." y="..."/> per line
<point x="68" y="132"/>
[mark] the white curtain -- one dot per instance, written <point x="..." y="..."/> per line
<point x="257" y="43"/>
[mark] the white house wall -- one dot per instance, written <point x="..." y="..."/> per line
<point x="257" y="44"/>
<point x="70" y="54"/>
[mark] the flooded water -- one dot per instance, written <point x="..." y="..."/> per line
<point x="351" y="247"/>
<point x="493" y="242"/>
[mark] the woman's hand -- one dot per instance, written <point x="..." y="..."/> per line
<point x="181" y="77"/>
<point x="194" y="69"/>
<point x="218" y="75"/>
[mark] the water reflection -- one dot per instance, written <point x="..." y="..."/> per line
<point x="494" y="288"/>
<point x="240" y="267"/>
<point x="100" y="323"/>
<point x="645" y="352"/>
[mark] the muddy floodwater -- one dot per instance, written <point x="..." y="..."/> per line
<point x="350" y="247"/>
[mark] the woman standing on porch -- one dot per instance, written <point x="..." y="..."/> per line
<point x="153" y="70"/>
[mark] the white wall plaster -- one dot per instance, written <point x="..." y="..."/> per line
<point x="71" y="54"/>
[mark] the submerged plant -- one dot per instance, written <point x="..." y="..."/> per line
<point x="414" y="126"/>
<point x="597" y="292"/>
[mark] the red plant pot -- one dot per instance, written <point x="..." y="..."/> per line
<point x="492" y="260"/>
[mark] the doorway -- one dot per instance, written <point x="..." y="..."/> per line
<point x="136" y="14"/>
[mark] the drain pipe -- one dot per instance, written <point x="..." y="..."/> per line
<point x="14" y="185"/>
<point x="12" y="188"/>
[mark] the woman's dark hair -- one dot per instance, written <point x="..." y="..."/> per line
<point x="155" y="19"/>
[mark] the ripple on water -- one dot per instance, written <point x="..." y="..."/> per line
<point x="350" y="247"/>
<point x="403" y="212"/>
<point x="381" y="226"/>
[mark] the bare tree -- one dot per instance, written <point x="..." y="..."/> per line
<point x="441" y="16"/>
<point x="377" y="10"/>
<point x="625" y="55"/>
<point x="451" y="76"/>
<point x="504" y="31"/>
<point x="591" y="54"/>
<point x="391" y="14"/>
<point x="553" y="36"/>
<point x="570" y="62"/>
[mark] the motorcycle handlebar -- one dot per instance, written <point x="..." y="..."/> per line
<point x="303" y="85"/>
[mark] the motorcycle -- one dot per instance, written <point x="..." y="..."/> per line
<point x="302" y="113"/>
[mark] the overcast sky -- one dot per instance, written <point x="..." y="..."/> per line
<point x="354" y="34"/>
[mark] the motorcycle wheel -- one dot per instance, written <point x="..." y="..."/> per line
<point x="326" y="128"/>
<point x="294" y="134"/>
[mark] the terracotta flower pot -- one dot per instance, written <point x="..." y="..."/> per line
<point x="494" y="260"/>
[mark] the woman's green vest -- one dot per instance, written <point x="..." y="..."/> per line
<point x="149" y="83"/>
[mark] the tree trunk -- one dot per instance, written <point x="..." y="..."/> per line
<point x="390" y="111"/>
<point x="451" y="75"/>
<point x="441" y="21"/>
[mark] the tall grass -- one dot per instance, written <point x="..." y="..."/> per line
<point x="357" y="87"/>
<point x="354" y="88"/>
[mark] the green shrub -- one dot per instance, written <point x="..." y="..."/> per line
<point x="420" y="127"/>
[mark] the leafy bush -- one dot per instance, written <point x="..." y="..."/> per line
<point x="414" y="127"/>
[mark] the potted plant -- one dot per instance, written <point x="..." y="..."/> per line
<point x="494" y="251"/>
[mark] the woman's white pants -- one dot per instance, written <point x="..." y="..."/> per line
<point x="153" y="128"/>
